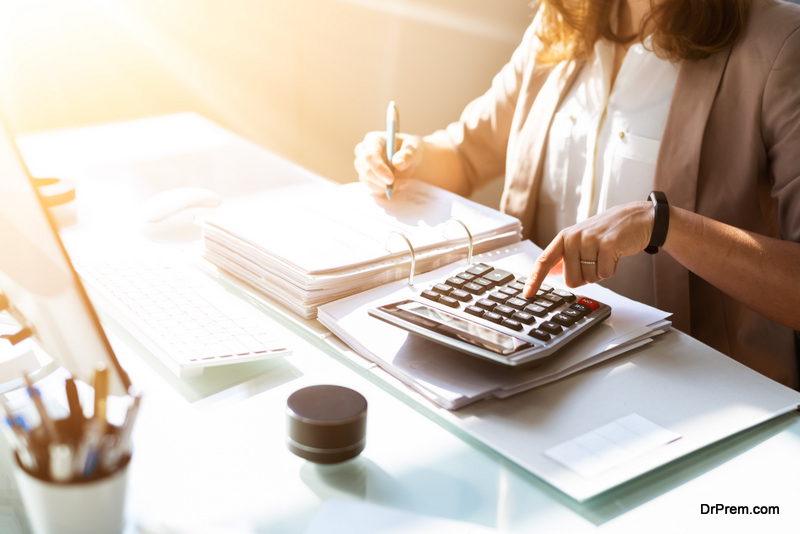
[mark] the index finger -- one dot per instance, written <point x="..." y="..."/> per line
<point x="548" y="259"/>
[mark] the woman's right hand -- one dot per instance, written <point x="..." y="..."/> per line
<point x="372" y="166"/>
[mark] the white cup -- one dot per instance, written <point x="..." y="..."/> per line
<point x="95" y="507"/>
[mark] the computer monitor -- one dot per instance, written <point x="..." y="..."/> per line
<point x="37" y="277"/>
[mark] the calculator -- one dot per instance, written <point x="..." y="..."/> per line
<point x="481" y="311"/>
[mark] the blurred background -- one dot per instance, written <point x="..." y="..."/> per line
<point x="303" y="78"/>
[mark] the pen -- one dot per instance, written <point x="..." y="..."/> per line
<point x="392" y="129"/>
<point x="76" y="417"/>
<point x="47" y="422"/>
<point x="100" y="391"/>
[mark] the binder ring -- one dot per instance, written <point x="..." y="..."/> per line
<point x="413" y="255"/>
<point x="469" y="235"/>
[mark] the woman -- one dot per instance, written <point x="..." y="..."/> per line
<point x="698" y="99"/>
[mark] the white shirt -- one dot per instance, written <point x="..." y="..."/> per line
<point x="602" y="150"/>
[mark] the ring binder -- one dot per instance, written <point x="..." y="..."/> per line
<point x="469" y="235"/>
<point x="413" y="255"/>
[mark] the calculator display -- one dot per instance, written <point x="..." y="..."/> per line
<point x="453" y="326"/>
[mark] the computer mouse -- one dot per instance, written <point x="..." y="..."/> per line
<point x="171" y="214"/>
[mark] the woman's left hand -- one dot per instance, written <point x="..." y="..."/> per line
<point x="591" y="249"/>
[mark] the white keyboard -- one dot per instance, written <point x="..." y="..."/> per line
<point x="181" y="315"/>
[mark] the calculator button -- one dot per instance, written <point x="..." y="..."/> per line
<point x="474" y="310"/>
<point x="486" y="304"/>
<point x="512" y="324"/>
<point x="516" y="303"/>
<point x="486" y="284"/>
<point x="566" y="295"/>
<point x="479" y="269"/>
<point x="448" y="301"/>
<point x="493" y="317"/>
<point x="460" y="294"/>
<point x="466" y="276"/>
<point x="563" y="319"/>
<point x="505" y="311"/>
<point x="546" y="304"/>
<point x="555" y="299"/>
<point x="533" y="309"/>
<point x="499" y="277"/>
<point x="455" y="282"/>
<point x="589" y="303"/>
<point x="510" y="291"/>
<point x="442" y="289"/>
<point x="517" y="285"/>
<point x="547" y="326"/>
<point x="428" y="294"/>
<point x="539" y="334"/>
<point x="546" y="288"/>
<point x="573" y="313"/>
<point x="540" y="293"/>
<point x="473" y="288"/>
<point x="524" y="318"/>
<point x="522" y="281"/>
<point x="499" y="297"/>
<point x="580" y="308"/>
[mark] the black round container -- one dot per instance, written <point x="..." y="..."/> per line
<point x="326" y="424"/>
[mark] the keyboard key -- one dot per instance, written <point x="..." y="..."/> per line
<point x="563" y="319"/>
<point x="448" y="301"/>
<point x="505" y="311"/>
<point x="550" y="327"/>
<point x="486" y="304"/>
<point x="499" y="297"/>
<point x="533" y="309"/>
<point x="493" y="317"/>
<point x="474" y="288"/>
<point x="474" y="310"/>
<point x="456" y="282"/>
<point x="460" y="294"/>
<point x="524" y="318"/>
<point x="516" y="303"/>
<point x="512" y="324"/>
<point x="539" y="334"/>
<point x="499" y="277"/>
<point x="442" y="289"/>
<point x="479" y="269"/>
<point x="428" y="294"/>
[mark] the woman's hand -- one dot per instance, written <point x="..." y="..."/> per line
<point x="373" y="168"/>
<point x="591" y="249"/>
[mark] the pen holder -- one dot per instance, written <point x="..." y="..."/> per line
<point x="91" y="507"/>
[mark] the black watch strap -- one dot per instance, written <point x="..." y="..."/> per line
<point x="660" y="221"/>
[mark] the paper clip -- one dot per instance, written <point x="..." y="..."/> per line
<point x="469" y="235"/>
<point x="413" y="255"/>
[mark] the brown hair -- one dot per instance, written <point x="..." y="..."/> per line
<point x="682" y="29"/>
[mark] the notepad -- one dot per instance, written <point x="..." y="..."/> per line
<point x="308" y="246"/>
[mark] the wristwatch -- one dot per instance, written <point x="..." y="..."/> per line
<point x="660" y="221"/>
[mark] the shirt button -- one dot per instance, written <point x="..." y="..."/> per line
<point x="621" y="135"/>
<point x="572" y="118"/>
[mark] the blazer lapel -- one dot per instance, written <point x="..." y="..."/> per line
<point x="523" y="192"/>
<point x="677" y="169"/>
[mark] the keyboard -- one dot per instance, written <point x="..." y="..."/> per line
<point x="181" y="315"/>
<point x="481" y="312"/>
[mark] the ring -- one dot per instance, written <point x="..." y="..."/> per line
<point x="588" y="262"/>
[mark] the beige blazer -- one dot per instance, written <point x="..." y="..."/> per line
<point x="730" y="151"/>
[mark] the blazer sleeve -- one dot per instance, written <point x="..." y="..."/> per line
<point x="480" y="137"/>
<point x="781" y="133"/>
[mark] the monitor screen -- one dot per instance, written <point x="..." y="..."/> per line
<point x="37" y="278"/>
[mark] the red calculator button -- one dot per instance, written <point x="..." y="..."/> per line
<point x="589" y="303"/>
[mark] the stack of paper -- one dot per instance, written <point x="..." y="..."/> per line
<point x="453" y="379"/>
<point x="305" y="247"/>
